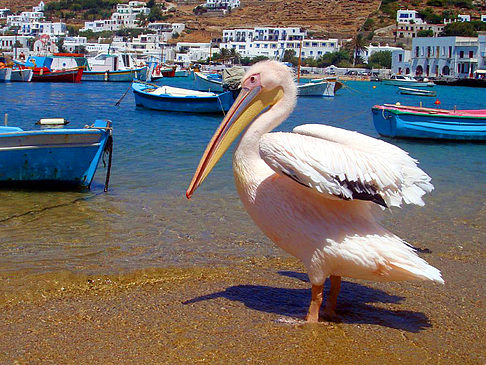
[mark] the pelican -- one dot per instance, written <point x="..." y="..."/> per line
<point x="315" y="192"/>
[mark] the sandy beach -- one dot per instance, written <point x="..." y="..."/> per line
<point x="251" y="313"/>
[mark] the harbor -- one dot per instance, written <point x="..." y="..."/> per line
<point x="140" y="262"/>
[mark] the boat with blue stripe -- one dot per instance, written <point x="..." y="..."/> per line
<point x="401" y="121"/>
<point x="53" y="157"/>
<point x="176" y="99"/>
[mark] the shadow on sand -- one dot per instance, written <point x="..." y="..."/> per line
<point x="353" y="303"/>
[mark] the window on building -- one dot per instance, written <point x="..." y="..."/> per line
<point x="471" y="54"/>
<point x="450" y="51"/>
<point x="461" y="54"/>
<point x="400" y="58"/>
<point x="417" y="51"/>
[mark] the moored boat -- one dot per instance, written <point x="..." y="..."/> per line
<point x="319" y="87"/>
<point x="418" y="92"/>
<point x="400" y="121"/>
<point x="209" y="82"/>
<point x="21" y="75"/>
<point x="60" y="157"/>
<point x="175" y="99"/>
<point x="5" y="73"/>
<point x="49" y="69"/>
<point x="407" y="81"/>
<point x="114" y="68"/>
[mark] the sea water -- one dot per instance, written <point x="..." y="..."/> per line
<point x="144" y="220"/>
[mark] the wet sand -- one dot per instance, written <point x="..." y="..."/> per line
<point x="251" y="312"/>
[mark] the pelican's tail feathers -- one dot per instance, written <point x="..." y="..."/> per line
<point x="424" y="272"/>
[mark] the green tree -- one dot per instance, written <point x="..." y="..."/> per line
<point x="359" y="45"/>
<point x="425" y="33"/>
<point x="465" y="29"/>
<point x="430" y="16"/>
<point x="382" y="59"/>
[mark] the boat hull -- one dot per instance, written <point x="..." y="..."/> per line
<point x="404" y="124"/>
<point x="408" y="83"/>
<point x="58" y="76"/>
<point x="187" y="104"/>
<point x="322" y="88"/>
<point x="5" y="74"/>
<point x="204" y="83"/>
<point x="116" y="76"/>
<point x="417" y="92"/>
<point x="53" y="157"/>
<point x="21" y="75"/>
<point x="463" y="82"/>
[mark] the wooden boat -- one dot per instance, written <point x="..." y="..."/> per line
<point x="114" y="67"/>
<point x="49" y="69"/>
<point x="58" y="157"/>
<point x="209" y="82"/>
<point x="418" y="92"/>
<point x="175" y="99"/>
<point x="407" y="81"/>
<point x="43" y="74"/>
<point x="21" y="75"/>
<point x="429" y="123"/>
<point x="5" y="73"/>
<point x="319" y="87"/>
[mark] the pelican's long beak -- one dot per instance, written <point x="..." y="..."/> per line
<point x="250" y="102"/>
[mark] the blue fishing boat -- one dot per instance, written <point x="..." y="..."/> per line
<point x="53" y="157"/>
<point x="400" y="121"/>
<point x="176" y="99"/>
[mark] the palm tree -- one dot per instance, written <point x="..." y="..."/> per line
<point x="359" y="44"/>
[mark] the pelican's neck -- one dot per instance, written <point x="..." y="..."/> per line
<point x="249" y="168"/>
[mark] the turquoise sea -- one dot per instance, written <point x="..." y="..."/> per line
<point x="144" y="220"/>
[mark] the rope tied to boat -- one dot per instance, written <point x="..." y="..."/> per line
<point x="221" y="105"/>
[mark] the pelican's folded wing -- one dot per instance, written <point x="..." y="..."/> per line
<point x="346" y="164"/>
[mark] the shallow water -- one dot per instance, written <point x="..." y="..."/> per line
<point x="145" y="220"/>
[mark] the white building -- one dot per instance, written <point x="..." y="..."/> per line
<point x="408" y="30"/>
<point x="39" y="7"/>
<point x="4" y="12"/>
<point x="272" y="42"/>
<point x="222" y="4"/>
<point x="482" y="52"/>
<point x="409" y="17"/>
<point x="125" y="16"/>
<point x="166" y="30"/>
<point x="187" y="53"/>
<point x="75" y="44"/>
<point x="464" y="18"/>
<point x="483" y="18"/>
<point x="401" y="62"/>
<point x="368" y="51"/>
<point x="446" y="56"/>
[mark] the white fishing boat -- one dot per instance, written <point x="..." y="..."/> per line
<point x="21" y="75"/>
<point x="5" y="74"/>
<point x="319" y="87"/>
<point x="418" y="92"/>
<point x="120" y="67"/>
<point x="407" y="81"/>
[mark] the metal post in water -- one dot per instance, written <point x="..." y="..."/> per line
<point x="6" y="120"/>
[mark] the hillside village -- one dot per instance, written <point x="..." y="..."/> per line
<point x="346" y="34"/>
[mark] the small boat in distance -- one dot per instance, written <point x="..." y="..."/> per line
<point x="418" y="92"/>
<point x="407" y="81"/>
<point x="53" y="157"/>
<point x="401" y="121"/>
<point x="176" y="99"/>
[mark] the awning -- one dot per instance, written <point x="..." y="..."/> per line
<point x="480" y="71"/>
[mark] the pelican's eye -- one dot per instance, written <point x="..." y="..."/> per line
<point x="252" y="79"/>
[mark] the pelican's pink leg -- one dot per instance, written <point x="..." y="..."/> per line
<point x="315" y="304"/>
<point x="331" y="301"/>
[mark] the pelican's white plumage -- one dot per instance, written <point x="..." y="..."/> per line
<point x="313" y="191"/>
